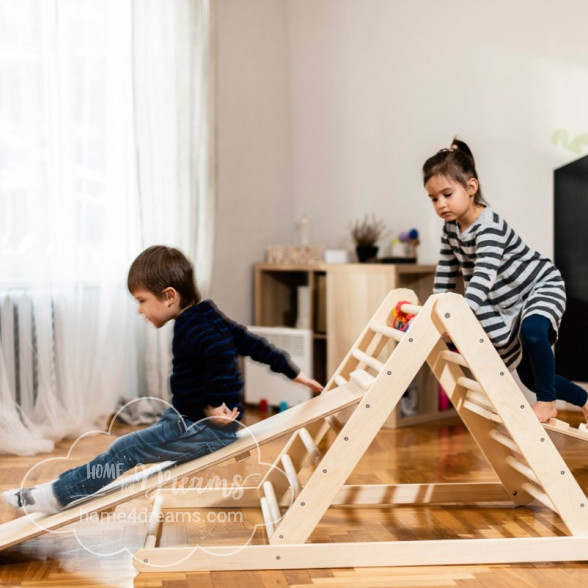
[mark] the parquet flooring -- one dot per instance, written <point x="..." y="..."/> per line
<point x="435" y="452"/>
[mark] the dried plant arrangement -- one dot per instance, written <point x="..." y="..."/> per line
<point x="368" y="231"/>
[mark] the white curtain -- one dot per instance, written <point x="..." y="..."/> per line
<point x="104" y="150"/>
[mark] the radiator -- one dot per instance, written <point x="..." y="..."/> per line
<point x="263" y="384"/>
<point x="23" y="336"/>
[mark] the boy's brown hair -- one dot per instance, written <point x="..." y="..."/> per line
<point x="160" y="267"/>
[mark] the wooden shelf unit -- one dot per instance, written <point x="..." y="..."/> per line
<point x="343" y="297"/>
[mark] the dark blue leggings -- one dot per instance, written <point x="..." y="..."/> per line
<point x="537" y="367"/>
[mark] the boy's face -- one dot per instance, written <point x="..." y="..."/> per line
<point x="157" y="311"/>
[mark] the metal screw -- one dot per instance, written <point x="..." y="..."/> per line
<point x="389" y="373"/>
<point x="367" y="405"/>
<point x="447" y="315"/>
<point x="515" y="493"/>
<point x="502" y="373"/>
<point x="303" y="504"/>
<point x="346" y="439"/>
<point x="281" y="537"/>
<point x="324" y="471"/>
<point x="522" y="406"/>
<point x="542" y="439"/>
<point x="481" y="340"/>
<point x="278" y="557"/>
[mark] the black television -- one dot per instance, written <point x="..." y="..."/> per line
<point x="571" y="258"/>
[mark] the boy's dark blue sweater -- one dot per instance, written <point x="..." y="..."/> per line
<point x="206" y="346"/>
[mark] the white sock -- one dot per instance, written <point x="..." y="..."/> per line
<point x="34" y="499"/>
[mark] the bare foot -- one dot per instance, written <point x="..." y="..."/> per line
<point x="545" y="410"/>
<point x="585" y="411"/>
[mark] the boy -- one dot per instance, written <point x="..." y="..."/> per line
<point x="206" y="384"/>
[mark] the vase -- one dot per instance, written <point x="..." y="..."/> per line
<point x="366" y="252"/>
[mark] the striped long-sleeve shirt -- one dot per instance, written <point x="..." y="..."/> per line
<point x="505" y="281"/>
<point x="206" y="345"/>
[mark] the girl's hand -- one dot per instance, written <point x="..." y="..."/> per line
<point x="221" y="415"/>
<point x="309" y="383"/>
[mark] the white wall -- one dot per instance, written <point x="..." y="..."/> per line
<point x="255" y="199"/>
<point x="368" y="90"/>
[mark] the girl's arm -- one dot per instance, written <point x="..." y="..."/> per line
<point x="447" y="267"/>
<point x="490" y="246"/>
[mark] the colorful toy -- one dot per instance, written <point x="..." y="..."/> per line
<point x="401" y="320"/>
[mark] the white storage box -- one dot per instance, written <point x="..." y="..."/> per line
<point x="263" y="384"/>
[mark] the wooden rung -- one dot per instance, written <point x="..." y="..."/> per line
<point x="362" y="379"/>
<point x="292" y="475"/>
<point x="481" y="411"/>
<point x="272" y="502"/>
<point x="387" y="331"/>
<point x="155" y="522"/>
<point x="504" y="440"/>
<point x="470" y="384"/>
<point x="267" y="517"/>
<point x="454" y="357"/>
<point x="408" y="308"/>
<point x="367" y="359"/>
<point x="340" y="380"/>
<point x="334" y="423"/>
<point x="310" y="445"/>
<point x="522" y="468"/>
<point x="480" y="399"/>
<point x="538" y="495"/>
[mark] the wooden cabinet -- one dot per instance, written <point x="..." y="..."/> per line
<point x="343" y="297"/>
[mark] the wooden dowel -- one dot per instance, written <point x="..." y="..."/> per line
<point x="310" y="445"/>
<point x="154" y="525"/>
<point x="368" y="360"/>
<point x="504" y="440"/>
<point x="470" y="384"/>
<point x="362" y="379"/>
<point x="453" y="357"/>
<point x="538" y="495"/>
<point x="480" y="399"/>
<point x="387" y="331"/>
<point x="292" y="475"/>
<point x="408" y="308"/>
<point x="267" y="517"/>
<point x="334" y="423"/>
<point x="272" y="502"/>
<point x="481" y="411"/>
<point x="522" y="468"/>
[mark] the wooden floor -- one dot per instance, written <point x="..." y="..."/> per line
<point x="438" y="452"/>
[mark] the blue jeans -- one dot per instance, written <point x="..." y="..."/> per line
<point x="172" y="438"/>
<point x="537" y="367"/>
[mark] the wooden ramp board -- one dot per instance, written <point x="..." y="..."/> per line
<point x="558" y="426"/>
<point x="278" y="425"/>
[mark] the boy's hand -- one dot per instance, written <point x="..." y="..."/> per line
<point x="221" y="415"/>
<point x="309" y="382"/>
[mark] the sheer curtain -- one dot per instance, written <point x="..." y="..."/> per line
<point x="104" y="150"/>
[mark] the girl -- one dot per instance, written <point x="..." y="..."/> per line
<point x="517" y="294"/>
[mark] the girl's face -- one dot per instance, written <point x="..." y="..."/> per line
<point x="452" y="201"/>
